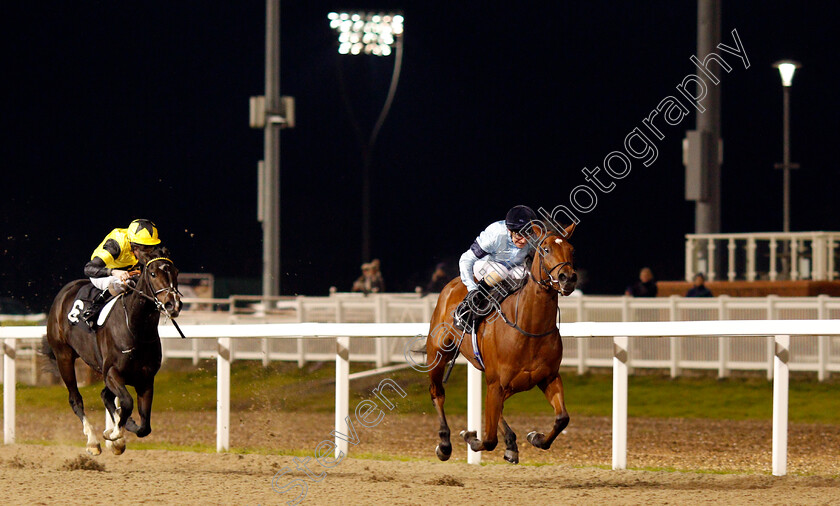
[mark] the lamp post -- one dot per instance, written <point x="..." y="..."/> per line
<point x="374" y="34"/>
<point x="786" y="70"/>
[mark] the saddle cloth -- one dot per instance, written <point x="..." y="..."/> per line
<point x="83" y="301"/>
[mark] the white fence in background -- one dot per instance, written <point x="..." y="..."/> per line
<point x="618" y="332"/>
<point x="812" y="255"/>
<point x="820" y="354"/>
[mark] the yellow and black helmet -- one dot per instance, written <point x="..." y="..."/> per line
<point x="143" y="232"/>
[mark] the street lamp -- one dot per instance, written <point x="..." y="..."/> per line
<point x="370" y="33"/>
<point x="786" y="70"/>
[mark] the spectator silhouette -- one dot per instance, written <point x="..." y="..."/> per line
<point x="371" y="279"/>
<point x="645" y="287"/>
<point x="438" y="280"/>
<point x="699" y="289"/>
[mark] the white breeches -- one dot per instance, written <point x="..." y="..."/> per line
<point x="493" y="272"/>
<point x="111" y="283"/>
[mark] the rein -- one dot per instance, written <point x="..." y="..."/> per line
<point x="516" y="317"/>
<point x="153" y="298"/>
<point x="546" y="284"/>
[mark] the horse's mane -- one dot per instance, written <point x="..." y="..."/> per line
<point x="154" y="252"/>
<point x="553" y="229"/>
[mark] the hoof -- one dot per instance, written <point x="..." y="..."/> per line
<point x="118" y="446"/>
<point x="441" y="454"/>
<point x="537" y="439"/>
<point x="94" y="450"/>
<point x="512" y="456"/>
<point x="468" y="435"/>
<point x="109" y="435"/>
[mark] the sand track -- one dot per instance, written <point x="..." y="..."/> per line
<point x="399" y="467"/>
<point x="33" y="474"/>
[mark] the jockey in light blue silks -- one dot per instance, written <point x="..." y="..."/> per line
<point x="498" y="253"/>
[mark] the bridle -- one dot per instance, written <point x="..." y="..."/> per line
<point x="153" y="297"/>
<point x="546" y="284"/>
<point x="551" y="282"/>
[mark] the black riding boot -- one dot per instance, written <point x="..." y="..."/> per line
<point x="89" y="316"/>
<point x="473" y="308"/>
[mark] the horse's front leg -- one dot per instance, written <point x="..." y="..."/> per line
<point x="438" y="393"/>
<point x="111" y="403"/>
<point x="124" y="404"/>
<point x="553" y="389"/>
<point x="145" y="394"/>
<point x="511" y="449"/>
<point x="493" y="411"/>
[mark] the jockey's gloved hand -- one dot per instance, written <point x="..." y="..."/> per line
<point x="120" y="274"/>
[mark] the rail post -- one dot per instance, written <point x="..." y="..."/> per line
<point x="822" y="341"/>
<point x="473" y="410"/>
<point x="619" y="414"/>
<point x="9" y="381"/>
<point x="223" y="394"/>
<point x="780" y="405"/>
<point x="582" y="343"/>
<point x="674" y="342"/>
<point x="342" y="393"/>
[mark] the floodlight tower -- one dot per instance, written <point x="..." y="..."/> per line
<point x="370" y="33"/>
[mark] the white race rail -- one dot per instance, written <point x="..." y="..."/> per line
<point x="619" y="331"/>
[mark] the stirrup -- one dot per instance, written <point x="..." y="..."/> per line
<point x="463" y="317"/>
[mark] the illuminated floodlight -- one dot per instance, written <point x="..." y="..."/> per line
<point x="366" y="32"/>
<point x="786" y="69"/>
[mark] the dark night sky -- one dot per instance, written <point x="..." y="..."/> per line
<point x="117" y="110"/>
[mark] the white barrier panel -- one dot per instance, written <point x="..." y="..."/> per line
<point x="781" y="329"/>
<point x="223" y="395"/>
<point x="619" y="414"/>
<point x="342" y="394"/>
<point x="9" y="379"/>
<point x="780" y="405"/>
<point x="474" y="378"/>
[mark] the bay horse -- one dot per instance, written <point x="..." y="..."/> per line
<point x="125" y="349"/>
<point x="517" y="354"/>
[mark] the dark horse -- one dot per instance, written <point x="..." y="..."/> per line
<point x="519" y="351"/>
<point x="125" y="350"/>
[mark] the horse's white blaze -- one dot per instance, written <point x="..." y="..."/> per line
<point x="558" y="241"/>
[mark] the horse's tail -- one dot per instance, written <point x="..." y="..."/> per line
<point x="46" y="350"/>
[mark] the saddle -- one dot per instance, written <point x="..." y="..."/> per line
<point x="493" y="302"/>
<point x="83" y="302"/>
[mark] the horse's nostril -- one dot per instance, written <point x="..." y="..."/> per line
<point x="168" y="306"/>
<point x="573" y="279"/>
<point x="562" y="276"/>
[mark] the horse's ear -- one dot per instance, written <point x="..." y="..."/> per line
<point x="569" y="230"/>
<point x="143" y="254"/>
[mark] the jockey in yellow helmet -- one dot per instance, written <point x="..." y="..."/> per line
<point x="118" y="251"/>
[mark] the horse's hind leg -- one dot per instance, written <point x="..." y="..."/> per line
<point x="511" y="449"/>
<point x="492" y="413"/>
<point x="123" y="402"/>
<point x="66" y="362"/>
<point x="111" y="403"/>
<point x="553" y="389"/>
<point x="444" y="449"/>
